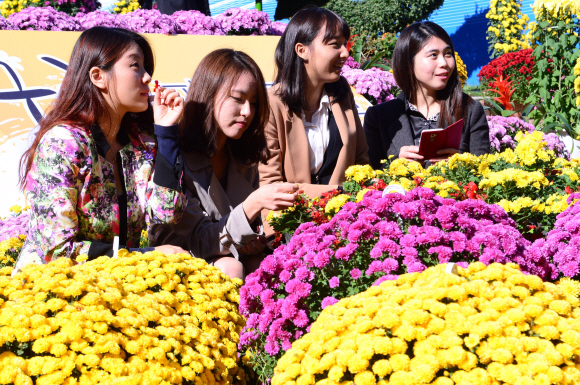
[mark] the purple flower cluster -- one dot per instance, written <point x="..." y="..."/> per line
<point x="562" y="245"/>
<point x="149" y="21"/>
<point x="503" y="130"/>
<point x="277" y="28"/>
<point x="196" y="23"/>
<point x="5" y="25"/>
<point x="14" y="226"/>
<point x="376" y="239"/>
<point x="42" y="19"/>
<point x="375" y="84"/>
<point x="554" y="143"/>
<point x="238" y="21"/>
<point x="99" y="18"/>
<point x="234" y="21"/>
<point x="351" y="63"/>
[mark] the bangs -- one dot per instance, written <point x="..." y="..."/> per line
<point x="335" y="27"/>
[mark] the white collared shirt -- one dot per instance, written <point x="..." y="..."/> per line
<point x="318" y="133"/>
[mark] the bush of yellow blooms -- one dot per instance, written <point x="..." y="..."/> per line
<point x="482" y="325"/>
<point x="506" y="26"/>
<point x="136" y="319"/>
<point x="124" y="6"/>
<point x="461" y="68"/>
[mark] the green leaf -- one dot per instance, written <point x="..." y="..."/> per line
<point x="527" y="110"/>
<point x="506" y="113"/>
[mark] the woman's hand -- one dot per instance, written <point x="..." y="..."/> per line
<point x="255" y="247"/>
<point x="275" y="196"/>
<point x="167" y="106"/>
<point x="446" y="152"/>
<point x="170" y="249"/>
<point x="411" y="153"/>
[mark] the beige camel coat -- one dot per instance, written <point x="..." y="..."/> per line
<point x="288" y="144"/>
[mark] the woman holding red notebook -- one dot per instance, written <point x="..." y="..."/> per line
<point x="431" y="98"/>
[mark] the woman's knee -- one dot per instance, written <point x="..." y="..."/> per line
<point x="230" y="267"/>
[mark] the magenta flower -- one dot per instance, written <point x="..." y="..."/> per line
<point x="328" y="301"/>
<point x="334" y="282"/>
<point x="355" y="273"/>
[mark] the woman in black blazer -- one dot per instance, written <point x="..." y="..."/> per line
<point x="424" y="68"/>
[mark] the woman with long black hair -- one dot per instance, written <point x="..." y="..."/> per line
<point x="432" y="97"/>
<point x="314" y="133"/>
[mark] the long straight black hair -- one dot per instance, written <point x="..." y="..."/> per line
<point x="453" y="101"/>
<point x="291" y="75"/>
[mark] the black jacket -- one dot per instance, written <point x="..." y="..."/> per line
<point x="387" y="129"/>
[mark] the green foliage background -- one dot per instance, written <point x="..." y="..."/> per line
<point x="380" y="16"/>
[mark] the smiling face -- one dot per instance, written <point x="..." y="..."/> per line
<point x="131" y="82"/>
<point x="236" y="107"/>
<point x="323" y="60"/>
<point x="433" y="65"/>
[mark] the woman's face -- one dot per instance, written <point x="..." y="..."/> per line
<point x="433" y="65"/>
<point x="131" y="82"/>
<point x="324" y="60"/>
<point x="236" y="107"/>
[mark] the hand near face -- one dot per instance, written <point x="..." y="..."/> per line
<point x="167" y="106"/>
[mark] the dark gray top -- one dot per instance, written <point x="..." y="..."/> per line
<point x="387" y="129"/>
<point x="419" y="122"/>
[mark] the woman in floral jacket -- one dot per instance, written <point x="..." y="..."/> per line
<point x="89" y="174"/>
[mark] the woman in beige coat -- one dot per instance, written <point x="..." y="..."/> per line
<point x="221" y="137"/>
<point x="314" y="133"/>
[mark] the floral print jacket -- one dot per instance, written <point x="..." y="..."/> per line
<point x="73" y="196"/>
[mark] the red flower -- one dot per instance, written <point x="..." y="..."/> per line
<point x="505" y="91"/>
<point x="569" y="190"/>
<point x="507" y="64"/>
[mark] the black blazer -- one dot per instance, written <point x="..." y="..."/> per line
<point x="387" y="129"/>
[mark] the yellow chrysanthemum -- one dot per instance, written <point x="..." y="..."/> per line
<point x="478" y="340"/>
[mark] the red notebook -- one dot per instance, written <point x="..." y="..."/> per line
<point x="439" y="139"/>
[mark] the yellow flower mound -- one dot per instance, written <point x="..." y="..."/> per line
<point x="137" y="319"/>
<point x="336" y="203"/>
<point x="360" y="173"/>
<point x="485" y="325"/>
<point x="8" y="7"/>
<point x="461" y="69"/>
<point x="125" y="6"/>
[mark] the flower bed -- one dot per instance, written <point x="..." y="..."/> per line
<point x="530" y="182"/>
<point x="367" y="242"/>
<point x="503" y="132"/>
<point x="486" y="325"/>
<point x="235" y="21"/>
<point x="139" y="318"/>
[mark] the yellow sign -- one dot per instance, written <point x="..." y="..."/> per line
<point x="33" y="64"/>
